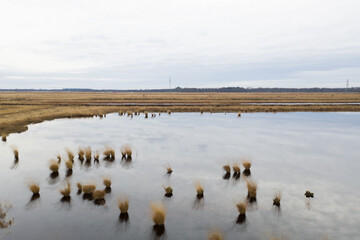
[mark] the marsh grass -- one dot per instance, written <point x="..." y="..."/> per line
<point x="34" y="187"/>
<point x="4" y="137"/>
<point x="158" y="214"/>
<point x="123" y="204"/>
<point x="109" y="153"/>
<point x="199" y="189"/>
<point x="88" y="188"/>
<point x="87" y="153"/>
<point x="107" y="182"/>
<point x="126" y="151"/>
<point x="215" y="234"/>
<point x="242" y="207"/>
<point x="168" y="169"/>
<point x="70" y="154"/>
<point x="81" y="153"/>
<point x="16" y="153"/>
<point x="247" y="165"/>
<point x="58" y="157"/>
<point x="79" y="186"/>
<point x="69" y="165"/>
<point x="252" y="188"/>
<point x="96" y="156"/>
<point x="168" y="191"/>
<point x="227" y="168"/>
<point x="236" y="168"/>
<point x="277" y="199"/>
<point x="309" y="194"/>
<point x="66" y="190"/>
<point x="99" y="194"/>
<point x="54" y="166"/>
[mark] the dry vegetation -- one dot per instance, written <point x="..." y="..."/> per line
<point x="123" y="204"/>
<point x="199" y="189"/>
<point x="4" y="209"/>
<point x="241" y="207"/>
<point x="66" y="191"/>
<point x="158" y="214"/>
<point x="215" y="234"/>
<point x="18" y="109"/>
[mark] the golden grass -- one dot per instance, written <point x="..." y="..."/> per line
<point x="87" y="152"/>
<point x="247" y="164"/>
<point x="98" y="194"/>
<point x="4" y="137"/>
<point x="69" y="164"/>
<point x="109" y="152"/>
<point x="70" y="154"/>
<point x="252" y="188"/>
<point x="89" y="188"/>
<point x="126" y="151"/>
<point x="277" y="199"/>
<point x="34" y="188"/>
<point x="81" y="153"/>
<point x="123" y="204"/>
<point x="158" y="214"/>
<point x="227" y="168"/>
<point x="215" y="234"/>
<point x="53" y="166"/>
<point x="199" y="189"/>
<point x="18" y="109"/>
<point x="66" y="190"/>
<point x="236" y="168"/>
<point x="241" y="207"/>
<point x="107" y="181"/>
<point x="168" y="190"/>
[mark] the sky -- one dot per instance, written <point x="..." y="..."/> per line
<point x="138" y="44"/>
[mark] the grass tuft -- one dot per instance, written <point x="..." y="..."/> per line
<point x="70" y="154"/>
<point x="67" y="190"/>
<point x="199" y="189"/>
<point x="58" y="157"/>
<point x="107" y="181"/>
<point x="227" y="168"/>
<point x="81" y="153"/>
<point x="34" y="188"/>
<point x="126" y="151"/>
<point x="277" y="199"/>
<point x="99" y="194"/>
<point x="123" y="204"/>
<point x="169" y="169"/>
<point x="16" y="152"/>
<point x="53" y="166"/>
<point x="69" y="165"/>
<point x="89" y="188"/>
<point x="158" y="214"/>
<point x="309" y="194"/>
<point x="109" y="152"/>
<point x="87" y="152"/>
<point x="215" y="234"/>
<point x="246" y="164"/>
<point x="79" y="186"/>
<point x="241" y="207"/>
<point x="96" y="156"/>
<point x="252" y="187"/>
<point x="236" y="168"/>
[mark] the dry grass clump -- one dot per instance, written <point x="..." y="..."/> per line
<point x="79" y="186"/>
<point x="227" y="168"/>
<point x="69" y="165"/>
<point x="4" y="137"/>
<point x="70" y="154"/>
<point x="4" y="209"/>
<point x="81" y="153"/>
<point x="123" y="204"/>
<point x="168" y="191"/>
<point x="107" y="181"/>
<point x="169" y="169"/>
<point x="215" y="234"/>
<point x="98" y="194"/>
<point x="126" y="151"/>
<point x="236" y="168"/>
<point x="109" y="152"/>
<point x="277" y="199"/>
<point x="309" y="194"/>
<point x="58" y="157"/>
<point x="158" y="213"/>
<point x="34" y="188"/>
<point x="53" y="166"/>
<point x="89" y="188"/>
<point x="66" y="191"/>
<point x="252" y="187"/>
<point x="96" y="156"/>
<point x="247" y="164"/>
<point x="241" y="207"/>
<point x="199" y="189"/>
<point x="87" y="153"/>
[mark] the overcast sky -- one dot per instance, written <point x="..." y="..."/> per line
<point x="125" y="44"/>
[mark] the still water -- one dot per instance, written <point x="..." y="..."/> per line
<point x="290" y="152"/>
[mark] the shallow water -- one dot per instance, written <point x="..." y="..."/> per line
<point x="291" y="153"/>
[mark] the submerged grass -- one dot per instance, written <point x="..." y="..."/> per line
<point x="158" y="214"/>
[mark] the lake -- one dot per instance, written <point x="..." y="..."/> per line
<point x="290" y="153"/>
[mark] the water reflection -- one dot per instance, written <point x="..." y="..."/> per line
<point x="240" y="223"/>
<point x="53" y="178"/>
<point x="226" y="176"/>
<point x="33" y="202"/>
<point x="199" y="202"/>
<point x="158" y="232"/>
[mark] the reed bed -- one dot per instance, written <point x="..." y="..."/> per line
<point x="98" y="194"/>
<point x="79" y="186"/>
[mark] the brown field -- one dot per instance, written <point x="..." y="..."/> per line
<point x="18" y="109"/>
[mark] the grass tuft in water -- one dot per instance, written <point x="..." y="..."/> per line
<point x="158" y="214"/>
<point x="53" y="166"/>
<point x="277" y="199"/>
<point x="123" y="204"/>
<point x="199" y="189"/>
<point x="215" y="234"/>
<point x="66" y="190"/>
<point x="252" y="187"/>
